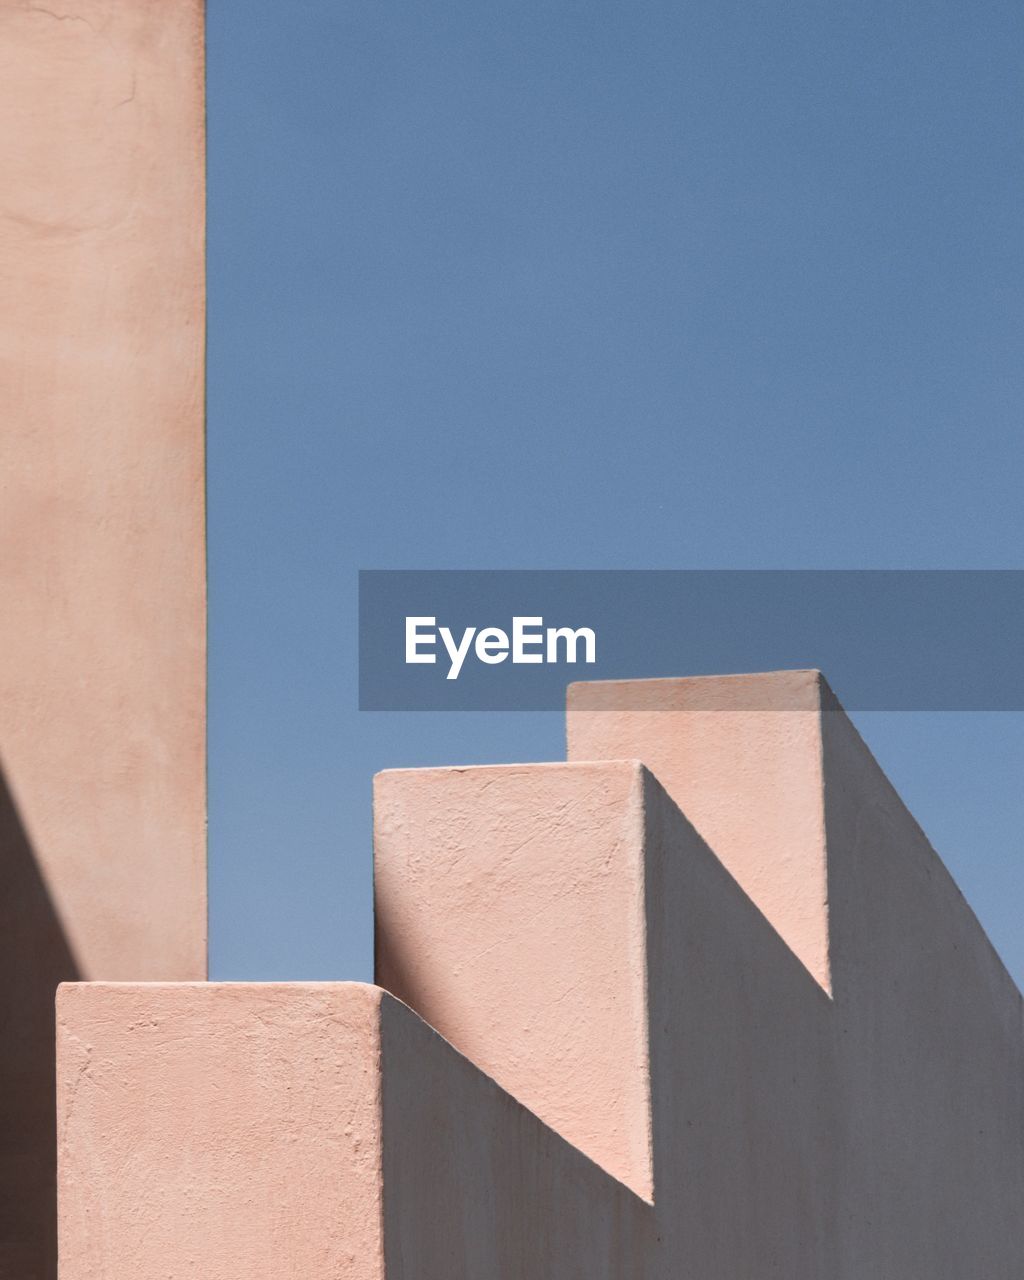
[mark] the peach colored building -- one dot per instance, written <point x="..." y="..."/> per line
<point x="700" y="1002"/>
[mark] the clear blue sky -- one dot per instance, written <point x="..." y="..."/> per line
<point x="583" y="285"/>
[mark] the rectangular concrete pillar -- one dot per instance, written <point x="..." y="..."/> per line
<point x="741" y="756"/>
<point x="510" y="914"/>
<point x="102" y="628"/>
<point x="219" y="1131"/>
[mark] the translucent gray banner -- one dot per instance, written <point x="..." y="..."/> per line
<point x="511" y="640"/>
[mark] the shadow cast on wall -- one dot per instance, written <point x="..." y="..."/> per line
<point x="34" y="957"/>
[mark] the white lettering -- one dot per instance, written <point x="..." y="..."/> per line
<point x="531" y="642"/>
<point x="571" y="638"/>
<point x="457" y="652"/>
<point x="413" y="640"/>
<point x="492" y="645"/>
<point x="521" y="638"/>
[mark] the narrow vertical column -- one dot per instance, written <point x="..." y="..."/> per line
<point x="102" y="629"/>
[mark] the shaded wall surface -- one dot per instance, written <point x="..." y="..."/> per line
<point x="102" y="806"/>
<point x="701" y="1002"/>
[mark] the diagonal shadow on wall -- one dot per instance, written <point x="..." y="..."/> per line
<point x="34" y="957"/>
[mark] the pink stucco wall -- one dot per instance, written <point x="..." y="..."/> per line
<point x="102" y="807"/>
<point x="741" y="756"/>
<point x="509" y="898"/>
<point x="309" y="1129"/>
<point x="634" y="1069"/>
<point x="246" y="1123"/>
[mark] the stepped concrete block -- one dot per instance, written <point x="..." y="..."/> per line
<point x="507" y="900"/>
<point x="567" y="930"/>
<point x="632" y="1071"/>
<point x="927" y="1065"/>
<point x="269" y="1130"/>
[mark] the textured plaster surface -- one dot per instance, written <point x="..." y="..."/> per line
<point x="533" y="912"/>
<point x="741" y="1055"/>
<point x="220" y="1131"/>
<point x="102" y="807"/>
<point x="836" y="1055"/>
<point x="568" y="926"/>
<point x="930" y="1043"/>
<point x="507" y="900"/>
<point x="741" y="756"/>
<point x="321" y="1130"/>
<point x="476" y="1187"/>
